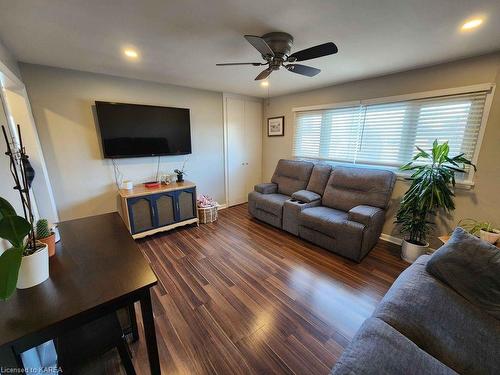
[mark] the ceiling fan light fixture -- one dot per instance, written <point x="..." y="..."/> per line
<point x="275" y="49"/>
<point x="264" y="83"/>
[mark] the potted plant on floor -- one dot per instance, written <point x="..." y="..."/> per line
<point x="46" y="236"/>
<point x="431" y="190"/>
<point x="482" y="229"/>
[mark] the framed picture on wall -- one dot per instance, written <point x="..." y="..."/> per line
<point x="276" y="126"/>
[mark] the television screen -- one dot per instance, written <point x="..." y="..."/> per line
<point x="132" y="130"/>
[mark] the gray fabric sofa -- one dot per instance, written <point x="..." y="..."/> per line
<point x="341" y="209"/>
<point x="422" y="326"/>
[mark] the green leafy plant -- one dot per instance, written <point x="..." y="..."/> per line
<point x="431" y="189"/>
<point x="474" y="227"/>
<point x="14" y="229"/>
<point x="42" y="229"/>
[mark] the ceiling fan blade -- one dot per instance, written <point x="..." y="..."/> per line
<point x="302" y="69"/>
<point x="264" y="74"/>
<point x="260" y="45"/>
<point x="228" y="64"/>
<point x="320" y="50"/>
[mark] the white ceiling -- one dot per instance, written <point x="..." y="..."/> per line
<point x="180" y="41"/>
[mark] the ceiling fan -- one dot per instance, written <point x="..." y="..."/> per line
<point x="275" y="50"/>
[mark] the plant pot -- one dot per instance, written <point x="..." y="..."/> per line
<point x="34" y="268"/>
<point x="180" y="178"/>
<point x="490" y="237"/>
<point x="410" y="251"/>
<point x="50" y="241"/>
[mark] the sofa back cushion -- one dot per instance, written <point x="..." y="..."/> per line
<point x="349" y="187"/>
<point x="319" y="177"/>
<point x="292" y="175"/>
<point x="471" y="267"/>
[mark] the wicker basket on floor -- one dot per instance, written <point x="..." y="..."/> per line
<point x="207" y="214"/>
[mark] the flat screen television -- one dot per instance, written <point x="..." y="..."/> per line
<point x="133" y="130"/>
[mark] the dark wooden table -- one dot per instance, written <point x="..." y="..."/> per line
<point x="97" y="269"/>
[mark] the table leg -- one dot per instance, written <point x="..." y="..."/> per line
<point x="149" y="333"/>
<point x="133" y="323"/>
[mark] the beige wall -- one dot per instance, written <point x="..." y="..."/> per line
<point x="8" y="62"/>
<point x="83" y="182"/>
<point x="481" y="202"/>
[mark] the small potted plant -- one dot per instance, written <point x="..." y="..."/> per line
<point x="181" y="172"/>
<point x="431" y="189"/>
<point x="482" y="229"/>
<point x="26" y="262"/>
<point x="46" y="236"/>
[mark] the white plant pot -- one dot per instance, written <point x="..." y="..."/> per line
<point x="410" y="252"/>
<point x="34" y="269"/>
<point x="488" y="236"/>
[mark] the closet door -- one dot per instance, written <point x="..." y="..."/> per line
<point x="253" y="138"/>
<point x="244" y="147"/>
<point x="236" y="151"/>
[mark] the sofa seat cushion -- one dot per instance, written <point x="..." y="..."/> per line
<point x="377" y="348"/>
<point x="323" y="219"/>
<point x="271" y="203"/>
<point x="441" y="322"/>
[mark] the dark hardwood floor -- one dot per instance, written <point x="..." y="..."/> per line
<point x="241" y="297"/>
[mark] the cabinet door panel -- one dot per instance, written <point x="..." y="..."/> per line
<point x="165" y="209"/>
<point x="141" y="214"/>
<point x="186" y="204"/>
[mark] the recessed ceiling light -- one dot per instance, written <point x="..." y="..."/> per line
<point x="131" y="53"/>
<point x="264" y="83"/>
<point x="472" y="24"/>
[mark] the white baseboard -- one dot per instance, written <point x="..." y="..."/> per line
<point x="391" y="239"/>
<point x="222" y="206"/>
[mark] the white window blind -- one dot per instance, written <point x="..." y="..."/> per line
<point x="386" y="134"/>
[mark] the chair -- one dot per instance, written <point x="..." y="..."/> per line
<point x="91" y="340"/>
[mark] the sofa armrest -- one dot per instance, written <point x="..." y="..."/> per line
<point x="306" y="196"/>
<point x="266" y="188"/>
<point x="364" y="214"/>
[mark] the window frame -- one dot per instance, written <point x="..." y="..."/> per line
<point x="489" y="88"/>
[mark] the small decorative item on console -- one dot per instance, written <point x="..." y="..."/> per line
<point x="181" y="172"/>
<point x="207" y="209"/>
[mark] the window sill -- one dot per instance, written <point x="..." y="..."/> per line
<point x="465" y="184"/>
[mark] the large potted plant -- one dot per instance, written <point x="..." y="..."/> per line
<point x="431" y="190"/>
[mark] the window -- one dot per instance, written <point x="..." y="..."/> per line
<point x="385" y="132"/>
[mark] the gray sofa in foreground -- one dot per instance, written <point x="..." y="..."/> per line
<point x="341" y="209"/>
<point x="422" y="326"/>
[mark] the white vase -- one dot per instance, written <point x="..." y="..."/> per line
<point x="410" y="251"/>
<point x="489" y="236"/>
<point x="34" y="269"/>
